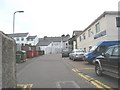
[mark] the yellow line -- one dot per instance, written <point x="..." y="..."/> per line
<point x="98" y="86"/>
<point x="83" y="76"/>
<point x="104" y="85"/>
<point x="97" y="83"/>
<point x="77" y="70"/>
<point x="24" y="85"/>
<point x="88" y="68"/>
<point x="74" y="70"/>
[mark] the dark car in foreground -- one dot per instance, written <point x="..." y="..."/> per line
<point x="66" y="52"/>
<point x="108" y="62"/>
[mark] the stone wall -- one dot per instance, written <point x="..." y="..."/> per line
<point x="7" y="62"/>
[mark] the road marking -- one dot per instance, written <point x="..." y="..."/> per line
<point x="24" y="85"/>
<point x="58" y="85"/>
<point x="98" y="86"/>
<point x="73" y="70"/>
<point x="95" y="82"/>
<point x="103" y="85"/>
<point x="66" y="84"/>
<point x="88" y="68"/>
<point x="76" y="85"/>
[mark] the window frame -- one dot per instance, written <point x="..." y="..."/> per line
<point x="89" y="32"/>
<point x="97" y="27"/>
<point x="17" y="39"/>
<point x="22" y="38"/>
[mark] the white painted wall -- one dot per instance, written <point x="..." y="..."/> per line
<point x="34" y="42"/>
<point x="107" y="23"/>
<point x="20" y="41"/>
<point x="54" y="47"/>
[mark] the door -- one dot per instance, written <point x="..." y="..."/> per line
<point x="113" y="61"/>
<point x="106" y="59"/>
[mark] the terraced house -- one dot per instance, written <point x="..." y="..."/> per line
<point x="102" y="29"/>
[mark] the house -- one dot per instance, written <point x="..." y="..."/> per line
<point x="24" y="41"/>
<point x="73" y="39"/>
<point x="53" y="45"/>
<point x="32" y="40"/>
<point x="20" y="38"/>
<point x="102" y="29"/>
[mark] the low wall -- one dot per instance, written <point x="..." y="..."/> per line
<point x="7" y="62"/>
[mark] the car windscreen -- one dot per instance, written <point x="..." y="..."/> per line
<point x="93" y="48"/>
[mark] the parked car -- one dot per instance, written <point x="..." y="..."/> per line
<point x="98" y="49"/>
<point x="108" y="62"/>
<point x="66" y="52"/>
<point x="76" y="55"/>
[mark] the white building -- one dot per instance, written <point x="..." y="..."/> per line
<point x="32" y="40"/>
<point x="53" y="45"/>
<point x="102" y="29"/>
<point x="24" y="38"/>
<point x="20" y="38"/>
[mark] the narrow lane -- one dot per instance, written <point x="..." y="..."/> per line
<point x="50" y="71"/>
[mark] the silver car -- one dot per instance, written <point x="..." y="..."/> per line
<point x="76" y="54"/>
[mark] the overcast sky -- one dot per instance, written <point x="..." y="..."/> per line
<point x="51" y="17"/>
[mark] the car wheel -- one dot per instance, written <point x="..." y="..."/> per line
<point x="70" y="58"/>
<point x="98" y="70"/>
<point x="73" y="59"/>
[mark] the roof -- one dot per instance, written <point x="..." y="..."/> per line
<point x="77" y="32"/>
<point x="47" y="40"/>
<point x="18" y="35"/>
<point x="31" y="37"/>
<point x="102" y="15"/>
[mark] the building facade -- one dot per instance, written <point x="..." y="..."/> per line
<point x="102" y="29"/>
<point x="32" y="40"/>
<point x="20" y="38"/>
<point x="53" y="45"/>
<point x="24" y="41"/>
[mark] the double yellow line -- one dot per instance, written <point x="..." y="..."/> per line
<point x="95" y="82"/>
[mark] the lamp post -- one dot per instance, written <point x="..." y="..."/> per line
<point x="14" y="19"/>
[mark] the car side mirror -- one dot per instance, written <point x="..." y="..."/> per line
<point x="103" y="54"/>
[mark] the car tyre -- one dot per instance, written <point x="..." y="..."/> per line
<point x="73" y="59"/>
<point x="70" y="58"/>
<point x="98" y="70"/>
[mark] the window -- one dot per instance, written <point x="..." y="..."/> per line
<point x="22" y="39"/>
<point x="17" y="38"/>
<point x="84" y="36"/>
<point x="31" y="39"/>
<point x="80" y="38"/>
<point x="89" y="32"/>
<point x="101" y="49"/>
<point x="22" y="44"/>
<point x="115" y="51"/>
<point x="109" y="51"/>
<point x="97" y="27"/>
<point x="27" y="39"/>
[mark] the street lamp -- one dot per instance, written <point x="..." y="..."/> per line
<point x="14" y="18"/>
